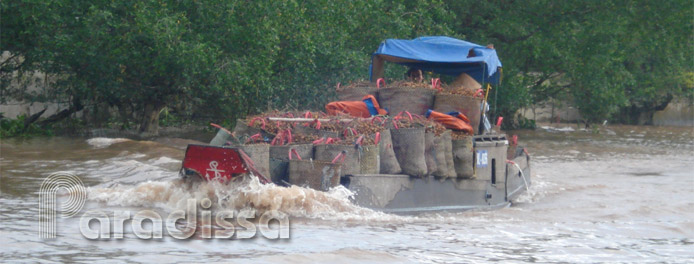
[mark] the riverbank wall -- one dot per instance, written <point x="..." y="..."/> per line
<point x="680" y="112"/>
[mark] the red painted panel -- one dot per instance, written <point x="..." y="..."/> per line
<point x="214" y="162"/>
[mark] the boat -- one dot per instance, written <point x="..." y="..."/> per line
<point x="501" y="168"/>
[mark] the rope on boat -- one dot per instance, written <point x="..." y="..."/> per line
<point x="527" y="189"/>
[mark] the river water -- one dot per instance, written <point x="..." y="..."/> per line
<point x="623" y="195"/>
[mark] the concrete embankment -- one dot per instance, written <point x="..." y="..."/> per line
<point x="677" y="113"/>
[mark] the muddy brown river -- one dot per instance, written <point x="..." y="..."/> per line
<point x="623" y="195"/>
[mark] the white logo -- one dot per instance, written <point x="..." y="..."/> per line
<point x="76" y="196"/>
<point x="213" y="168"/>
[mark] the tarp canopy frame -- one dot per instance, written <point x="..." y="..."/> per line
<point x="442" y="55"/>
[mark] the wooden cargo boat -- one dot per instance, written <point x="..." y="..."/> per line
<point x="500" y="169"/>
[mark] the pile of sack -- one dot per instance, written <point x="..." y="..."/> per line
<point x="464" y="96"/>
<point x="403" y="128"/>
<point x="316" y="149"/>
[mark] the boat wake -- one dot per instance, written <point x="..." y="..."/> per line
<point x="144" y="176"/>
<point x="537" y="191"/>
<point x="246" y="193"/>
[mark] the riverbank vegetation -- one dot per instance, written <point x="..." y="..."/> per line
<point x="220" y="60"/>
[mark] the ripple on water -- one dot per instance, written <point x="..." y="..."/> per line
<point x="610" y="197"/>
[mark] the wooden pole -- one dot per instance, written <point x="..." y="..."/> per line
<point x="301" y="119"/>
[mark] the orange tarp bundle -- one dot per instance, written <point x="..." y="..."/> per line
<point x="452" y="120"/>
<point x="365" y="108"/>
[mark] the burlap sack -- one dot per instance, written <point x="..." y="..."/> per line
<point x="389" y="163"/>
<point x="448" y="144"/>
<point x="369" y="159"/>
<point x="469" y="106"/>
<point x="327" y="152"/>
<point x="355" y="93"/>
<point x="319" y="175"/>
<point x="430" y="153"/>
<point x="442" y="144"/>
<point x="463" y="158"/>
<point x="358" y="160"/>
<point x="305" y="130"/>
<point x="408" y="145"/>
<point x="260" y="155"/>
<point x="220" y="138"/>
<point x="413" y="100"/>
<point x="242" y="130"/>
<point x="279" y="160"/>
<point x="466" y="81"/>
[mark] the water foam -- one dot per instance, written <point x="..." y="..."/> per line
<point x="101" y="142"/>
<point x="164" y="160"/>
<point x="245" y="193"/>
<point x="537" y="191"/>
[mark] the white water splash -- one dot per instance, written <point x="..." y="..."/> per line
<point x="537" y="191"/>
<point x="239" y="195"/>
<point x="163" y="160"/>
<point x="101" y="142"/>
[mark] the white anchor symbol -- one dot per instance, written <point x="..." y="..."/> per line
<point x="213" y="168"/>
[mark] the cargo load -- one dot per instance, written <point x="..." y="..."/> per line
<point x="400" y="146"/>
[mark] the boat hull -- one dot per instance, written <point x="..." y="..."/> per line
<point x="404" y="194"/>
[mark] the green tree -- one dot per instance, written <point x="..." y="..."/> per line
<point x="606" y="56"/>
<point x="220" y="59"/>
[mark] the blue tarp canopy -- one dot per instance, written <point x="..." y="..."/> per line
<point x="443" y="55"/>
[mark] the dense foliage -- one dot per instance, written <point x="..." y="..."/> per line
<point x="221" y="60"/>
